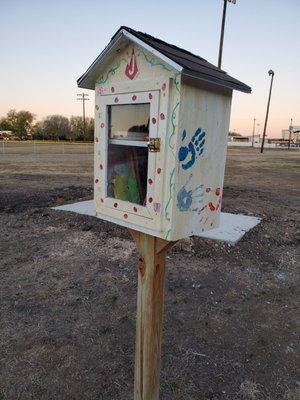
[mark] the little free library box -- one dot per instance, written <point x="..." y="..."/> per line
<point x="161" y="124"/>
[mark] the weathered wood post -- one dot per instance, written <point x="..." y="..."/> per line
<point x="149" y="320"/>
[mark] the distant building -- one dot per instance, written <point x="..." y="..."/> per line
<point x="235" y="137"/>
<point x="255" y="139"/>
<point x="295" y="134"/>
<point x="237" y="140"/>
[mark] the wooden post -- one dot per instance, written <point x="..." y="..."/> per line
<point x="149" y="323"/>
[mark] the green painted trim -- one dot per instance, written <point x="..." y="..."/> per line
<point x="152" y="61"/>
<point x="171" y="185"/>
<point x="168" y="234"/>
<point x="103" y="79"/>
<point x="177" y="83"/>
<point x="173" y="117"/>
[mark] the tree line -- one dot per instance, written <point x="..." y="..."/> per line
<point x="53" y="127"/>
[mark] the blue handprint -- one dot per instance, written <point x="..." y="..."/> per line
<point x="195" y="148"/>
<point x="186" y="199"/>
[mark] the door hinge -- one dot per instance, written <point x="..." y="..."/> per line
<point x="154" y="144"/>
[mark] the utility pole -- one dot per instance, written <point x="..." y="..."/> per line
<point x="254" y="120"/>
<point x="290" y="133"/>
<point x="271" y="73"/>
<point x="83" y="97"/>
<point x="222" y="31"/>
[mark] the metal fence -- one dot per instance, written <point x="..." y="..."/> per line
<point x="45" y="147"/>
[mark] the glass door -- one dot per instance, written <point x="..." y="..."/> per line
<point x="131" y="120"/>
<point x="128" y="135"/>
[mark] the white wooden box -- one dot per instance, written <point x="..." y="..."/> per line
<point x="142" y="96"/>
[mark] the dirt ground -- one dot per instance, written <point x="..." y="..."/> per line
<point x="68" y="288"/>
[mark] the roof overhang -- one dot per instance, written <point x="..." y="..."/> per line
<point x="191" y="67"/>
<point x="118" y="42"/>
<point x="193" y="76"/>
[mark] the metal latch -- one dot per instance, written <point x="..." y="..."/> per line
<point x="154" y="144"/>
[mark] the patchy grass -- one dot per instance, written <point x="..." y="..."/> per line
<point x="293" y="394"/>
<point x="68" y="290"/>
<point x="250" y="391"/>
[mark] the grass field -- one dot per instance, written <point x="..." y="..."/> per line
<point x="68" y="288"/>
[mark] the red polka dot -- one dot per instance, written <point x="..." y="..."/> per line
<point x="150" y="181"/>
<point x="125" y="216"/>
<point x="116" y="99"/>
<point x="150" y="199"/>
<point x="96" y="140"/>
<point x="112" y="89"/>
<point x="96" y="180"/>
<point x="207" y="190"/>
<point x="164" y="86"/>
<point x="153" y="120"/>
<point x="101" y="166"/>
<point x="134" y="209"/>
<point x="211" y="207"/>
<point x="150" y="96"/>
<point x="102" y="125"/>
<point x="134" y="97"/>
<point x="115" y="205"/>
<point x="162" y="116"/>
<point x="218" y="191"/>
<point x="158" y="170"/>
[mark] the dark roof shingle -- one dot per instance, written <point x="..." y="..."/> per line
<point x="192" y="64"/>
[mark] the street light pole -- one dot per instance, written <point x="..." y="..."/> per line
<point x="271" y="73"/>
<point x="254" y="120"/>
<point x="222" y="31"/>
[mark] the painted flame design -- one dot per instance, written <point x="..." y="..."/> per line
<point x="131" y="69"/>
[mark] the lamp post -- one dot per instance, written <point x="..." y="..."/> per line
<point x="271" y="73"/>
<point x="222" y="30"/>
<point x="257" y="132"/>
<point x="253" y="132"/>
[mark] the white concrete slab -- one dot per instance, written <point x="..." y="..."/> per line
<point x="232" y="226"/>
<point x="82" y="207"/>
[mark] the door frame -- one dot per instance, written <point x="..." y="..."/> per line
<point x="131" y="98"/>
<point x="155" y="219"/>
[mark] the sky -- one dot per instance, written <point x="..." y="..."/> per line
<point x="46" y="45"/>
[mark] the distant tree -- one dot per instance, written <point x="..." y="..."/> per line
<point x="38" y="132"/>
<point x="5" y="125"/>
<point x="53" y="127"/>
<point x="89" y="129"/>
<point x="76" y="128"/>
<point x="20" y="123"/>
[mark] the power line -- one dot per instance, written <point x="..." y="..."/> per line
<point x="83" y="97"/>
<point x="271" y="73"/>
<point x="253" y="132"/>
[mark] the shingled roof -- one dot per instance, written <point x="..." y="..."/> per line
<point x="190" y="64"/>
